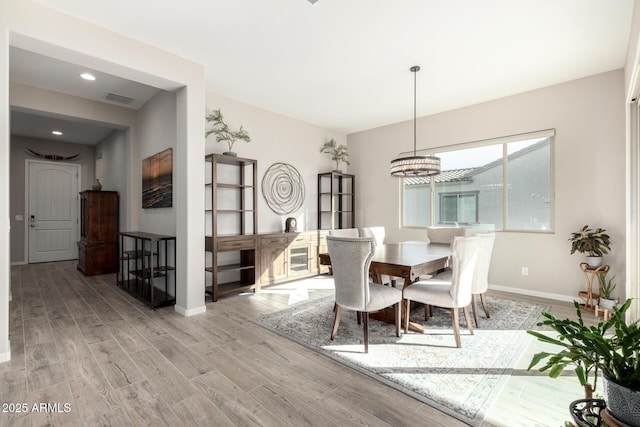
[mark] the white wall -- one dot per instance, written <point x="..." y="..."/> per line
<point x="276" y="138"/>
<point x="588" y="115"/>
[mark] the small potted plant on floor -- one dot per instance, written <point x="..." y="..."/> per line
<point x="607" y="301"/>
<point x="337" y="152"/>
<point x="222" y="132"/>
<point x="610" y="348"/>
<point x="592" y="243"/>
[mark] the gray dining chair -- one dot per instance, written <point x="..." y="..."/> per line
<point x="350" y="262"/>
<point x="453" y="295"/>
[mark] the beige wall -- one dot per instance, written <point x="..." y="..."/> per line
<point x="31" y="26"/>
<point x="157" y="132"/>
<point x="588" y="115"/>
<point x="277" y="138"/>
<point x="112" y="169"/>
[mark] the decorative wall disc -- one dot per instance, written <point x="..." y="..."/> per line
<point x="283" y="188"/>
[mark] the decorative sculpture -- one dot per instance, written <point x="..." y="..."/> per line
<point x="283" y="188"/>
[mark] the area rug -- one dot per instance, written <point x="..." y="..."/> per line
<point x="462" y="382"/>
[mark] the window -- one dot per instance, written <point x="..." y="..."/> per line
<point x="501" y="184"/>
<point x="459" y="208"/>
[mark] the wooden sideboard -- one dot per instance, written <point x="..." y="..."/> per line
<point x="289" y="256"/>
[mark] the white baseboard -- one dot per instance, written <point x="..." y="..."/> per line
<point x="6" y="356"/>
<point x="531" y="293"/>
<point x="191" y="312"/>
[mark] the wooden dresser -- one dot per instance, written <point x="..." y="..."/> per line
<point x="98" y="245"/>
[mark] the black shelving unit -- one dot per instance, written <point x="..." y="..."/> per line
<point x="145" y="267"/>
<point x="336" y="200"/>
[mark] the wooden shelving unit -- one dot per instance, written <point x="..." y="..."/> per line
<point x="146" y="267"/>
<point x="232" y="221"/>
<point x="336" y="200"/>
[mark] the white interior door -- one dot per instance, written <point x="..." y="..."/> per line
<point x="52" y="219"/>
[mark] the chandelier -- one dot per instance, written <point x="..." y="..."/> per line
<point x="412" y="166"/>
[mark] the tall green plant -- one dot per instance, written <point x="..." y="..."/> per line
<point x="337" y="152"/>
<point x="222" y="132"/>
<point x="606" y="286"/>
<point x="611" y="347"/>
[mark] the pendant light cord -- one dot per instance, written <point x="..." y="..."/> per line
<point x="415" y="70"/>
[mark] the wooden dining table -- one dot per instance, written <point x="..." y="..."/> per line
<point x="407" y="260"/>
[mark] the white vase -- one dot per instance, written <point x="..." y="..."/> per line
<point x="594" y="261"/>
<point x="607" y="304"/>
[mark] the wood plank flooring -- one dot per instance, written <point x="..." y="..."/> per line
<point x="106" y="359"/>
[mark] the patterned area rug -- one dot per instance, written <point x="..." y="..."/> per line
<point x="462" y="382"/>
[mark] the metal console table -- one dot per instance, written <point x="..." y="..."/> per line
<point x="146" y="265"/>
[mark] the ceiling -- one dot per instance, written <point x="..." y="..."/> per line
<point x="344" y="65"/>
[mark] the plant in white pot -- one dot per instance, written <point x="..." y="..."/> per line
<point x="610" y="348"/>
<point x="607" y="301"/>
<point x="222" y="132"/>
<point x="592" y="243"/>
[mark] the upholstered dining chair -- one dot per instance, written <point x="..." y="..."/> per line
<point x="481" y="275"/>
<point x="453" y="295"/>
<point x="344" y="232"/>
<point x="444" y="234"/>
<point x="350" y="261"/>
<point x="377" y="233"/>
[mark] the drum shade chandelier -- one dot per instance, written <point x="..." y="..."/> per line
<point x="413" y="166"/>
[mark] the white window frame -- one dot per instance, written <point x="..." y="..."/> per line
<point x="505" y="140"/>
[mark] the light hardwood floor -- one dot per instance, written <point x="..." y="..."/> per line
<point x="81" y="342"/>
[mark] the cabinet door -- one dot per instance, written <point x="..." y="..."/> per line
<point x="299" y="260"/>
<point x="273" y="264"/>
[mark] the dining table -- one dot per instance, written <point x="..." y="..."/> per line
<point x="408" y="260"/>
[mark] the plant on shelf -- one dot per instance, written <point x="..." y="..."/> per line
<point x="592" y="243"/>
<point x="337" y="152"/>
<point x="222" y="132"/>
<point x="611" y="347"/>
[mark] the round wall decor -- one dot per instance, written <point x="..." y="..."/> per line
<point x="283" y="188"/>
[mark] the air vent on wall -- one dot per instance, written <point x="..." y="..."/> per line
<point x="114" y="97"/>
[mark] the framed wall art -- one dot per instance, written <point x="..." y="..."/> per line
<point x="157" y="180"/>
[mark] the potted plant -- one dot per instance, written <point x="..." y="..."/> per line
<point x="610" y="348"/>
<point x="222" y="132"/>
<point x="592" y="243"/>
<point x="337" y="152"/>
<point x="607" y="302"/>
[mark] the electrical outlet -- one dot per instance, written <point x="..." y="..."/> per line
<point x="525" y="271"/>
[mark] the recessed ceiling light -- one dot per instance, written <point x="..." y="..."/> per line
<point x="56" y="132"/>
<point x="88" y="76"/>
